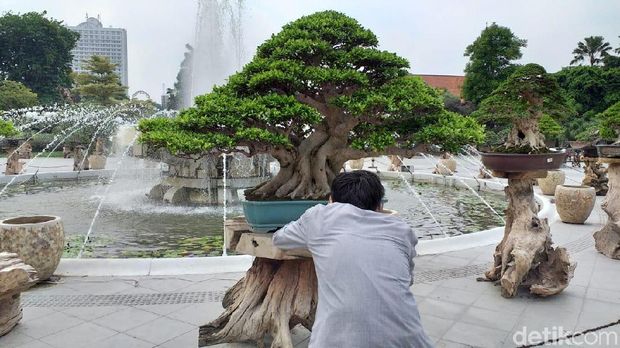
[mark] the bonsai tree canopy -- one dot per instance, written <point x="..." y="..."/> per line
<point x="315" y="95"/>
<point x="521" y="101"/>
<point x="452" y="131"/>
<point x="609" y="123"/>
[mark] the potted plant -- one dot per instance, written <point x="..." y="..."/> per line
<point x="521" y="101"/>
<point x="451" y="132"/>
<point x="607" y="240"/>
<point x="525" y="256"/>
<point x="316" y="95"/>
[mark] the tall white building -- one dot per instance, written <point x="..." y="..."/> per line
<point x="97" y="40"/>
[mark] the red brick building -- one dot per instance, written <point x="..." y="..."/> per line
<point x="451" y="83"/>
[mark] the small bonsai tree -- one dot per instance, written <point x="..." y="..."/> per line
<point x="451" y="132"/>
<point x="609" y="123"/>
<point x="315" y="95"/>
<point x="521" y="101"/>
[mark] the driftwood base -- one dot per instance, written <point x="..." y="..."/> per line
<point x="525" y="256"/>
<point x="595" y="175"/>
<point x="10" y="313"/>
<point x="272" y="298"/>
<point x="607" y="240"/>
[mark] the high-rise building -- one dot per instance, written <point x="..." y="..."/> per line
<point x="97" y="40"/>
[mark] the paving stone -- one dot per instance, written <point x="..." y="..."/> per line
<point x="475" y="335"/>
<point x="164" y="309"/>
<point x="454" y="295"/>
<point x="596" y="313"/>
<point x="125" y="319"/>
<point x="49" y="324"/>
<point x="34" y="344"/>
<point x="441" y="309"/>
<point x="14" y="338"/>
<point x="165" y="284"/>
<point x="538" y="319"/>
<point x="160" y="330"/>
<point x="603" y="295"/>
<point x="198" y="314"/>
<point x="91" y="313"/>
<point x="122" y="340"/>
<point x="96" y="287"/>
<point x="423" y="289"/>
<point x="83" y="335"/>
<point x="493" y="300"/>
<point x="435" y="326"/>
<point x="188" y="339"/>
<point x="490" y="318"/>
<point x="32" y="313"/>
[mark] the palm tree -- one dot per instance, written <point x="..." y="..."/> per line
<point x="594" y="48"/>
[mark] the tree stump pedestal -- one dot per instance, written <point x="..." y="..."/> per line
<point x="607" y="240"/>
<point x="525" y="256"/>
<point x="15" y="277"/>
<point x="276" y="294"/>
<point x="595" y="175"/>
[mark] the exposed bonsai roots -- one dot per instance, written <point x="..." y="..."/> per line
<point x="525" y="133"/>
<point x="525" y="256"/>
<point x="272" y="298"/>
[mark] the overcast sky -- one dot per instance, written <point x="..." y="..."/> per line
<point x="432" y="34"/>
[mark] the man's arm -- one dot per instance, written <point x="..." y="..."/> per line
<point x="295" y="234"/>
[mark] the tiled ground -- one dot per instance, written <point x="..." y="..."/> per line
<point x="456" y="310"/>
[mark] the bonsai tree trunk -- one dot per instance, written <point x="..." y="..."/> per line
<point x="525" y="132"/>
<point x="525" y="256"/>
<point x="595" y="175"/>
<point x="272" y="298"/>
<point x="607" y="240"/>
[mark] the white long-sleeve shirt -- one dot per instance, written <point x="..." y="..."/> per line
<point x="364" y="265"/>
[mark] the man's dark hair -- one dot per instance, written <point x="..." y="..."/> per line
<point x="361" y="188"/>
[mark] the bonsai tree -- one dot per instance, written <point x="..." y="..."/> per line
<point x="451" y="132"/>
<point x="521" y="101"/>
<point x="315" y="95"/>
<point x="609" y="123"/>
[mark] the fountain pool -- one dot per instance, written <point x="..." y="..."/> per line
<point x="132" y="225"/>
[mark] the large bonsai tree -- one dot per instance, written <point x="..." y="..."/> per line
<point x="521" y="101"/>
<point x="315" y="95"/>
<point x="609" y="123"/>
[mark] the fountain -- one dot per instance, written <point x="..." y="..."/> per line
<point x="80" y="158"/>
<point x="218" y="46"/>
<point x="98" y="160"/>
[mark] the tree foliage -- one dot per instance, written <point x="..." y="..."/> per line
<point x="550" y="128"/>
<point x="521" y="101"/>
<point x="7" y="129"/>
<point x="452" y="131"/>
<point x="491" y="58"/>
<point x="14" y="95"/>
<point x="36" y="51"/>
<point x="100" y="84"/>
<point x="609" y="123"/>
<point x="316" y="94"/>
<point x="593" y="48"/>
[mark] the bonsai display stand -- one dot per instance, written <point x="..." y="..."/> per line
<point x="525" y="256"/>
<point x="595" y="175"/>
<point x="277" y="293"/>
<point x="15" y="277"/>
<point x="607" y="240"/>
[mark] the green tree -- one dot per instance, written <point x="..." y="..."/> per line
<point x="36" y="51"/>
<point x="14" y="95"/>
<point x="7" y="129"/>
<point x="594" y="48"/>
<point x="490" y="61"/>
<point x="521" y="101"/>
<point x="451" y="132"/>
<point x="550" y="128"/>
<point x="100" y="84"/>
<point x="609" y="123"/>
<point x="315" y="95"/>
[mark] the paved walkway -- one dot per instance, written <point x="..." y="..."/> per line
<point x="456" y="310"/>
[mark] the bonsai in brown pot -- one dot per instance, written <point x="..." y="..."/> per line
<point x="525" y="256"/>
<point x="608" y="238"/>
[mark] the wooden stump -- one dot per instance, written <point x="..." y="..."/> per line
<point x="272" y="298"/>
<point x="525" y="256"/>
<point x="607" y="240"/>
<point x="595" y="175"/>
<point x="15" y="277"/>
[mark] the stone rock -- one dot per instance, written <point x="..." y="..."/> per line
<point x="549" y="183"/>
<point x="574" y="203"/>
<point x="97" y="161"/>
<point x="446" y="166"/>
<point x="38" y="240"/>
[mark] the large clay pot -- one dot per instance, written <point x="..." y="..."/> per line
<point x="356" y="164"/>
<point x="574" y="203"/>
<point x="37" y="240"/>
<point x="553" y="179"/>
<point x="516" y="163"/>
<point x="446" y="166"/>
<point x="266" y="216"/>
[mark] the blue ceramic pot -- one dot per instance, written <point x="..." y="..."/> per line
<point x="266" y="216"/>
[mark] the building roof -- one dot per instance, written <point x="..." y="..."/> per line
<point x="91" y="23"/>
<point x="451" y="83"/>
